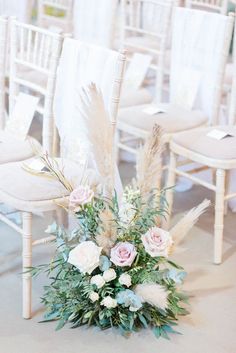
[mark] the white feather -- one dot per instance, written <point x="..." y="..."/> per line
<point x="153" y="294"/>
<point x="180" y="230"/>
<point x="98" y="129"/>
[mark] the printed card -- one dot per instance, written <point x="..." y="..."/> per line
<point x="219" y="134"/>
<point x="20" y="120"/>
<point x="154" y="109"/>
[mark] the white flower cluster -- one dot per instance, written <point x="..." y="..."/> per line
<point x="100" y="280"/>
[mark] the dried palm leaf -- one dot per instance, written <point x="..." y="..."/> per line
<point x="149" y="162"/>
<point x="180" y="230"/>
<point x="98" y="128"/>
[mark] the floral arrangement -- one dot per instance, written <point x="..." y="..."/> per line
<point x="114" y="269"/>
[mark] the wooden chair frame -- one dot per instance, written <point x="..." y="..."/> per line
<point x="220" y="6"/>
<point x="36" y="49"/>
<point x="131" y="23"/>
<point x="27" y="208"/>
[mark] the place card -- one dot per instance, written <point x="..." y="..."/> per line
<point x="219" y="134"/>
<point x="153" y="109"/>
<point x="137" y="70"/>
<point x="21" y="118"/>
<point x="188" y="86"/>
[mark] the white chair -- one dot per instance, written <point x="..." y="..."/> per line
<point x="219" y="155"/>
<point x="57" y="14"/>
<point x="220" y="6"/>
<point x="196" y="78"/>
<point x="34" y="52"/>
<point x="29" y="193"/>
<point x="145" y="28"/>
<point x="95" y="23"/>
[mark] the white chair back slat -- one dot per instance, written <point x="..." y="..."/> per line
<point x="3" y="50"/>
<point x="200" y="47"/>
<point x="95" y="23"/>
<point x="145" y="28"/>
<point x="56" y="13"/>
<point x="220" y="6"/>
<point x="34" y="51"/>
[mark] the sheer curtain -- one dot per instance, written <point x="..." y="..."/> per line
<point x="94" y="21"/>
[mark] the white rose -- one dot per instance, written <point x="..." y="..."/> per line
<point x="109" y="275"/>
<point x="98" y="280"/>
<point x="85" y="256"/>
<point x="127" y="212"/>
<point x="80" y="196"/>
<point x="109" y="302"/>
<point x="125" y="279"/>
<point x="157" y="242"/>
<point x="93" y="296"/>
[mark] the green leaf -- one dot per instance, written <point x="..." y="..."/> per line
<point x="143" y="320"/>
<point x="157" y="331"/>
<point x="170" y="329"/>
<point x="164" y="333"/>
<point x="61" y="324"/>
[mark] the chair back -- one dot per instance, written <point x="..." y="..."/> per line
<point x="81" y="64"/>
<point x="200" y="47"/>
<point x="95" y="22"/>
<point x="145" y="28"/>
<point x="34" y="53"/>
<point x="219" y="6"/>
<point x="56" y="13"/>
<point x="3" y="55"/>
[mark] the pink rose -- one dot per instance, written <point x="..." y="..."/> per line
<point x="157" y="242"/>
<point x="123" y="254"/>
<point x="80" y="196"/>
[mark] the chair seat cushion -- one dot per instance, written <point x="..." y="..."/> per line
<point x="13" y="150"/>
<point x="131" y="98"/>
<point x="197" y="141"/>
<point x="174" y="120"/>
<point x="20" y="184"/>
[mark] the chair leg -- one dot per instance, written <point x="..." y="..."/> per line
<point x="170" y="192"/>
<point x="27" y="262"/>
<point x="219" y="215"/>
<point x="227" y="183"/>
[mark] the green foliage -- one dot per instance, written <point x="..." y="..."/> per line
<point x="67" y="298"/>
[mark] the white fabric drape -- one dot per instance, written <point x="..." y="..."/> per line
<point x="198" y="51"/>
<point x="94" y="21"/>
<point x="19" y="8"/>
<point x="81" y="64"/>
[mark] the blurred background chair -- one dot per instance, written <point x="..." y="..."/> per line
<point x="55" y="14"/>
<point x="195" y="82"/>
<point x="218" y="154"/>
